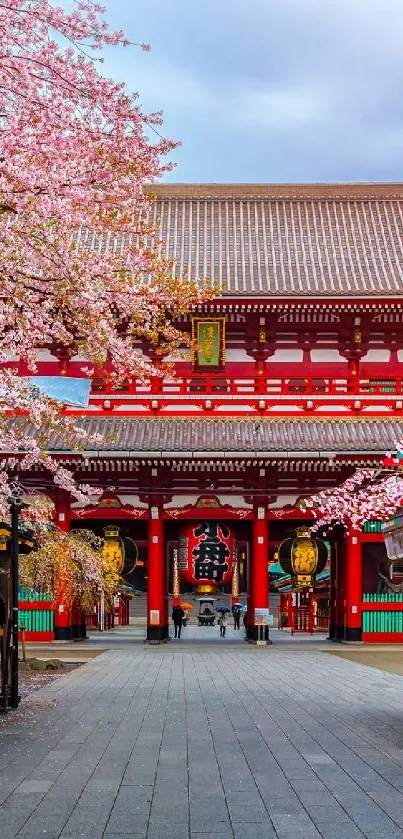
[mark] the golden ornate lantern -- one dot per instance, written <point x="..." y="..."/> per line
<point x="303" y="557"/>
<point x="114" y="549"/>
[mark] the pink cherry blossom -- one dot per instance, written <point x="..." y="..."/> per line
<point x="75" y="155"/>
<point x="370" y="494"/>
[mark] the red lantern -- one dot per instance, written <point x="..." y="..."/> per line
<point x="205" y="556"/>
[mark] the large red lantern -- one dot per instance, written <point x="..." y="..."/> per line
<point x="205" y="556"/>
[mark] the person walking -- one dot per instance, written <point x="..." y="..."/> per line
<point x="237" y="616"/>
<point x="177" y="617"/>
<point x="223" y="624"/>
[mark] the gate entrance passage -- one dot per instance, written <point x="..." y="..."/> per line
<point x="236" y="559"/>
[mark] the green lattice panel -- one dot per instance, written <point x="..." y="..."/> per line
<point x="391" y="622"/>
<point x="29" y="594"/>
<point x="372" y="527"/>
<point x="41" y="620"/>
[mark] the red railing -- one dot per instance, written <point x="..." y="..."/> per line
<point x="221" y="389"/>
<point x="93" y="619"/>
<point x="302" y="619"/>
<point x="119" y="615"/>
<point x="322" y="621"/>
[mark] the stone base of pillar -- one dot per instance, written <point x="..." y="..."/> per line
<point x="332" y="632"/>
<point x="257" y="633"/>
<point x="157" y="634"/>
<point x="79" y="632"/>
<point x="339" y="632"/>
<point x="63" y="633"/>
<point x="336" y="633"/>
<point x="352" y="634"/>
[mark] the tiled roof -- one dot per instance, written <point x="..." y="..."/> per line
<point x="252" y="240"/>
<point x="136" y="435"/>
<point x="297" y="240"/>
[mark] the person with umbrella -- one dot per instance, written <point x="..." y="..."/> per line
<point x="222" y="620"/>
<point x="177" y="617"/>
<point x="223" y="623"/>
<point x="237" y="609"/>
<point x="236" y="612"/>
<point x="186" y="607"/>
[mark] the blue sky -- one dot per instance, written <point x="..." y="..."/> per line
<point x="270" y="90"/>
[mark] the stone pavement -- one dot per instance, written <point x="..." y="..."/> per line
<point x="209" y="742"/>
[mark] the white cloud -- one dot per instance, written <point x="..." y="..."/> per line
<point x="160" y="82"/>
<point x="282" y="108"/>
<point x="271" y="89"/>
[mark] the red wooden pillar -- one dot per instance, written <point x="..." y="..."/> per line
<point x="157" y="595"/>
<point x="249" y="605"/>
<point x="78" y="621"/>
<point x="259" y="576"/>
<point x="353" y="586"/>
<point x="63" y="630"/>
<point x="333" y="592"/>
<point x="332" y="602"/>
<point x="340" y="554"/>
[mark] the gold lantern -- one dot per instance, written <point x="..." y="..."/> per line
<point x="114" y="549"/>
<point x="303" y="557"/>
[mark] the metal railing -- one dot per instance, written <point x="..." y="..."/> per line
<point x="302" y="620"/>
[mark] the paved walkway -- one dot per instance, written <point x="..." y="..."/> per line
<point x="193" y="636"/>
<point x="209" y="743"/>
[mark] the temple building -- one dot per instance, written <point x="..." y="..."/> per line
<point x="293" y="382"/>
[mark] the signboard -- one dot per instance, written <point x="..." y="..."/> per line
<point x="154" y="617"/>
<point x="209" y="342"/>
<point x="65" y="389"/>
<point x="262" y="617"/>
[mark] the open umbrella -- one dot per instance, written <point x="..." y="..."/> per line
<point x="241" y="606"/>
<point x="222" y="608"/>
<point x="187" y="605"/>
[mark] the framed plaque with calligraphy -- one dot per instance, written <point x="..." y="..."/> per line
<point x="208" y="343"/>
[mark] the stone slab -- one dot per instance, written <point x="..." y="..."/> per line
<point x="219" y="742"/>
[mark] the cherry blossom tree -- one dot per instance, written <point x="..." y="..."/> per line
<point x="77" y="557"/>
<point x="80" y="266"/>
<point x="368" y="494"/>
<point x="73" y="565"/>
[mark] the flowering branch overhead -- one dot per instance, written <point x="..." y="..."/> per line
<point x="74" y="160"/>
<point x="370" y="494"/>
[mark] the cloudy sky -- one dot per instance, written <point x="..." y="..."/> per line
<point x="271" y="90"/>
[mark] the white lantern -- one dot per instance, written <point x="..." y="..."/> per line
<point x="393" y="534"/>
